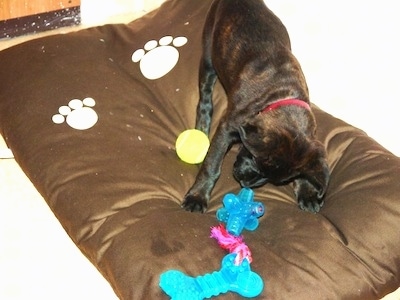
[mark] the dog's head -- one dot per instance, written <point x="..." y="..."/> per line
<point x="280" y="154"/>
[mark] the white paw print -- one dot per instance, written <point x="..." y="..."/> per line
<point x="158" y="58"/>
<point x="79" y="114"/>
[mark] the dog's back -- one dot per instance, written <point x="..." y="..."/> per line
<point x="252" y="18"/>
<point x="245" y="34"/>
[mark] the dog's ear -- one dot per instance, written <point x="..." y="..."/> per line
<point x="311" y="187"/>
<point x="250" y="132"/>
<point x="247" y="130"/>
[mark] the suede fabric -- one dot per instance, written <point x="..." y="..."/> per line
<point x="106" y="165"/>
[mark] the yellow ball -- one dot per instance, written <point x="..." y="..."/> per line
<point x="192" y="146"/>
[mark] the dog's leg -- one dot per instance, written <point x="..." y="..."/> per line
<point x="207" y="74"/>
<point x="198" y="196"/>
<point x="207" y="79"/>
<point x="310" y="190"/>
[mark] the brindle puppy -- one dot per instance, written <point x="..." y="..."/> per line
<point x="248" y="49"/>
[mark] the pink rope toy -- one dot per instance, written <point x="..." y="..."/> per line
<point x="232" y="243"/>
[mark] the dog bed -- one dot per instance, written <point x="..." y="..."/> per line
<point x="92" y="118"/>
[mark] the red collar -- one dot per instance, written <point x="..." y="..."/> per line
<point x="286" y="102"/>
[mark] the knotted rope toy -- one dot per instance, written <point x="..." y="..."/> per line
<point x="231" y="243"/>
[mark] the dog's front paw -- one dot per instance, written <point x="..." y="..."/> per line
<point x="308" y="197"/>
<point x="312" y="205"/>
<point x="194" y="203"/>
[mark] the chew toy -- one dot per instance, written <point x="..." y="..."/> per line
<point x="240" y="211"/>
<point x="192" y="146"/>
<point x="235" y="275"/>
<point x="232" y="243"/>
<point x="239" y="279"/>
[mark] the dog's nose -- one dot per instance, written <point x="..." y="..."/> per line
<point x="243" y="184"/>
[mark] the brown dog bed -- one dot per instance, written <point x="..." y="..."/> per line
<point x="93" y="124"/>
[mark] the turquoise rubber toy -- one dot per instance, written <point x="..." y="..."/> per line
<point x="240" y="211"/>
<point x="239" y="279"/>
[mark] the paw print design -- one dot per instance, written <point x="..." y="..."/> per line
<point x="78" y="114"/>
<point x="158" y="58"/>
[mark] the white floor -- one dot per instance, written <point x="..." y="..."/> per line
<point x="349" y="51"/>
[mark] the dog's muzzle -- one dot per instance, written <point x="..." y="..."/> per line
<point x="253" y="183"/>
